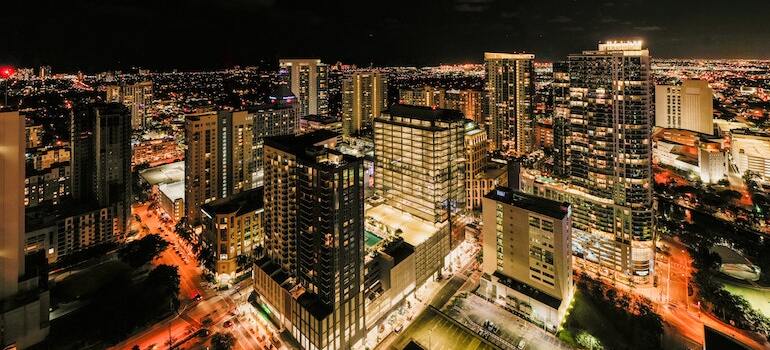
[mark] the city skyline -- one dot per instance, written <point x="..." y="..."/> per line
<point x="164" y="35"/>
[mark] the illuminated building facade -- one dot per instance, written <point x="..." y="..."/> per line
<point x="364" y="95"/>
<point x="527" y="255"/>
<point x="510" y="92"/>
<point x="137" y="97"/>
<point x="23" y="286"/>
<point x="218" y="159"/>
<point x="418" y="160"/>
<point x="308" y="80"/>
<point x="233" y="228"/>
<point x="314" y="285"/>
<point x="688" y="106"/>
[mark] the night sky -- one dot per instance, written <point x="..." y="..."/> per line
<point x="92" y="35"/>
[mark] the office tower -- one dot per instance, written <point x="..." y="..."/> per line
<point x="233" y="228"/>
<point x="278" y="117"/>
<point x="218" y="159"/>
<point x="561" y="118"/>
<point x="418" y="160"/>
<point x="23" y="285"/>
<point x="364" y="95"/>
<point x="319" y="274"/>
<point x="137" y="97"/>
<point x="688" y="106"/>
<point x="610" y="153"/>
<point x="510" y="92"/>
<point x="45" y="72"/>
<point x="307" y="79"/>
<point x="527" y="255"/>
<point x="101" y="159"/>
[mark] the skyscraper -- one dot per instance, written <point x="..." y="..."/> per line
<point x="101" y="158"/>
<point x="561" y="118"/>
<point x="23" y="292"/>
<point x="136" y="96"/>
<point x="314" y="209"/>
<point x="308" y="80"/>
<point x="688" y="106"/>
<point x="218" y="159"/>
<point x="364" y="95"/>
<point x="610" y="151"/>
<point x="418" y="167"/>
<point x="510" y="92"/>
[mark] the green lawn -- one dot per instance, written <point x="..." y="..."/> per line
<point x="86" y="282"/>
<point x="759" y="299"/>
<point x="586" y="316"/>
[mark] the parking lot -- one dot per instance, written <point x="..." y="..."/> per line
<point x="512" y="329"/>
<point x="434" y="331"/>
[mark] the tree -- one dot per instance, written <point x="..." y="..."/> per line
<point x="164" y="277"/>
<point x="140" y="252"/>
<point x="206" y="258"/>
<point x="242" y="261"/>
<point x="222" y="341"/>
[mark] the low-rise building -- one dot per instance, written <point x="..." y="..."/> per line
<point x="234" y="228"/>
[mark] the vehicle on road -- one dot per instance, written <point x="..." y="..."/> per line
<point x="203" y="332"/>
<point x="521" y="345"/>
<point x="228" y="324"/>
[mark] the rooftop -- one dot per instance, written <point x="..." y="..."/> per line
<point x="424" y="113"/>
<point x="297" y="144"/>
<point x="238" y="204"/>
<point x="166" y="173"/>
<point x="540" y="205"/>
<point x="398" y="250"/>
<point x="173" y="190"/>
<point x="414" y="230"/>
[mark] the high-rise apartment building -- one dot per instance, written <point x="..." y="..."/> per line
<point x="610" y="160"/>
<point x="527" y="254"/>
<point x="137" y="97"/>
<point x="23" y="286"/>
<point x="419" y="164"/>
<point x="219" y="160"/>
<point x="279" y="117"/>
<point x="101" y="159"/>
<point x="308" y="80"/>
<point x="510" y="92"/>
<point x="561" y="118"/>
<point x="311" y="277"/>
<point x="364" y="95"/>
<point x="688" y="106"/>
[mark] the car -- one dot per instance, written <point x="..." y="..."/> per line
<point x="197" y="297"/>
<point x="227" y="324"/>
<point x="203" y="332"/>
<point x="521" y="345"/>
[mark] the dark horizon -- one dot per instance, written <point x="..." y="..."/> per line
<point x="203" y="35"/>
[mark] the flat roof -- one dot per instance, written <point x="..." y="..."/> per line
<point x="166" y="173"/>
<point x="424" y="113"/>
<point x="529" y="202"/>
<point x="173" y="191"/>
<point x="297" y="144"/>
<point x="415" y="231"/>
<point x="238" y="204"/>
